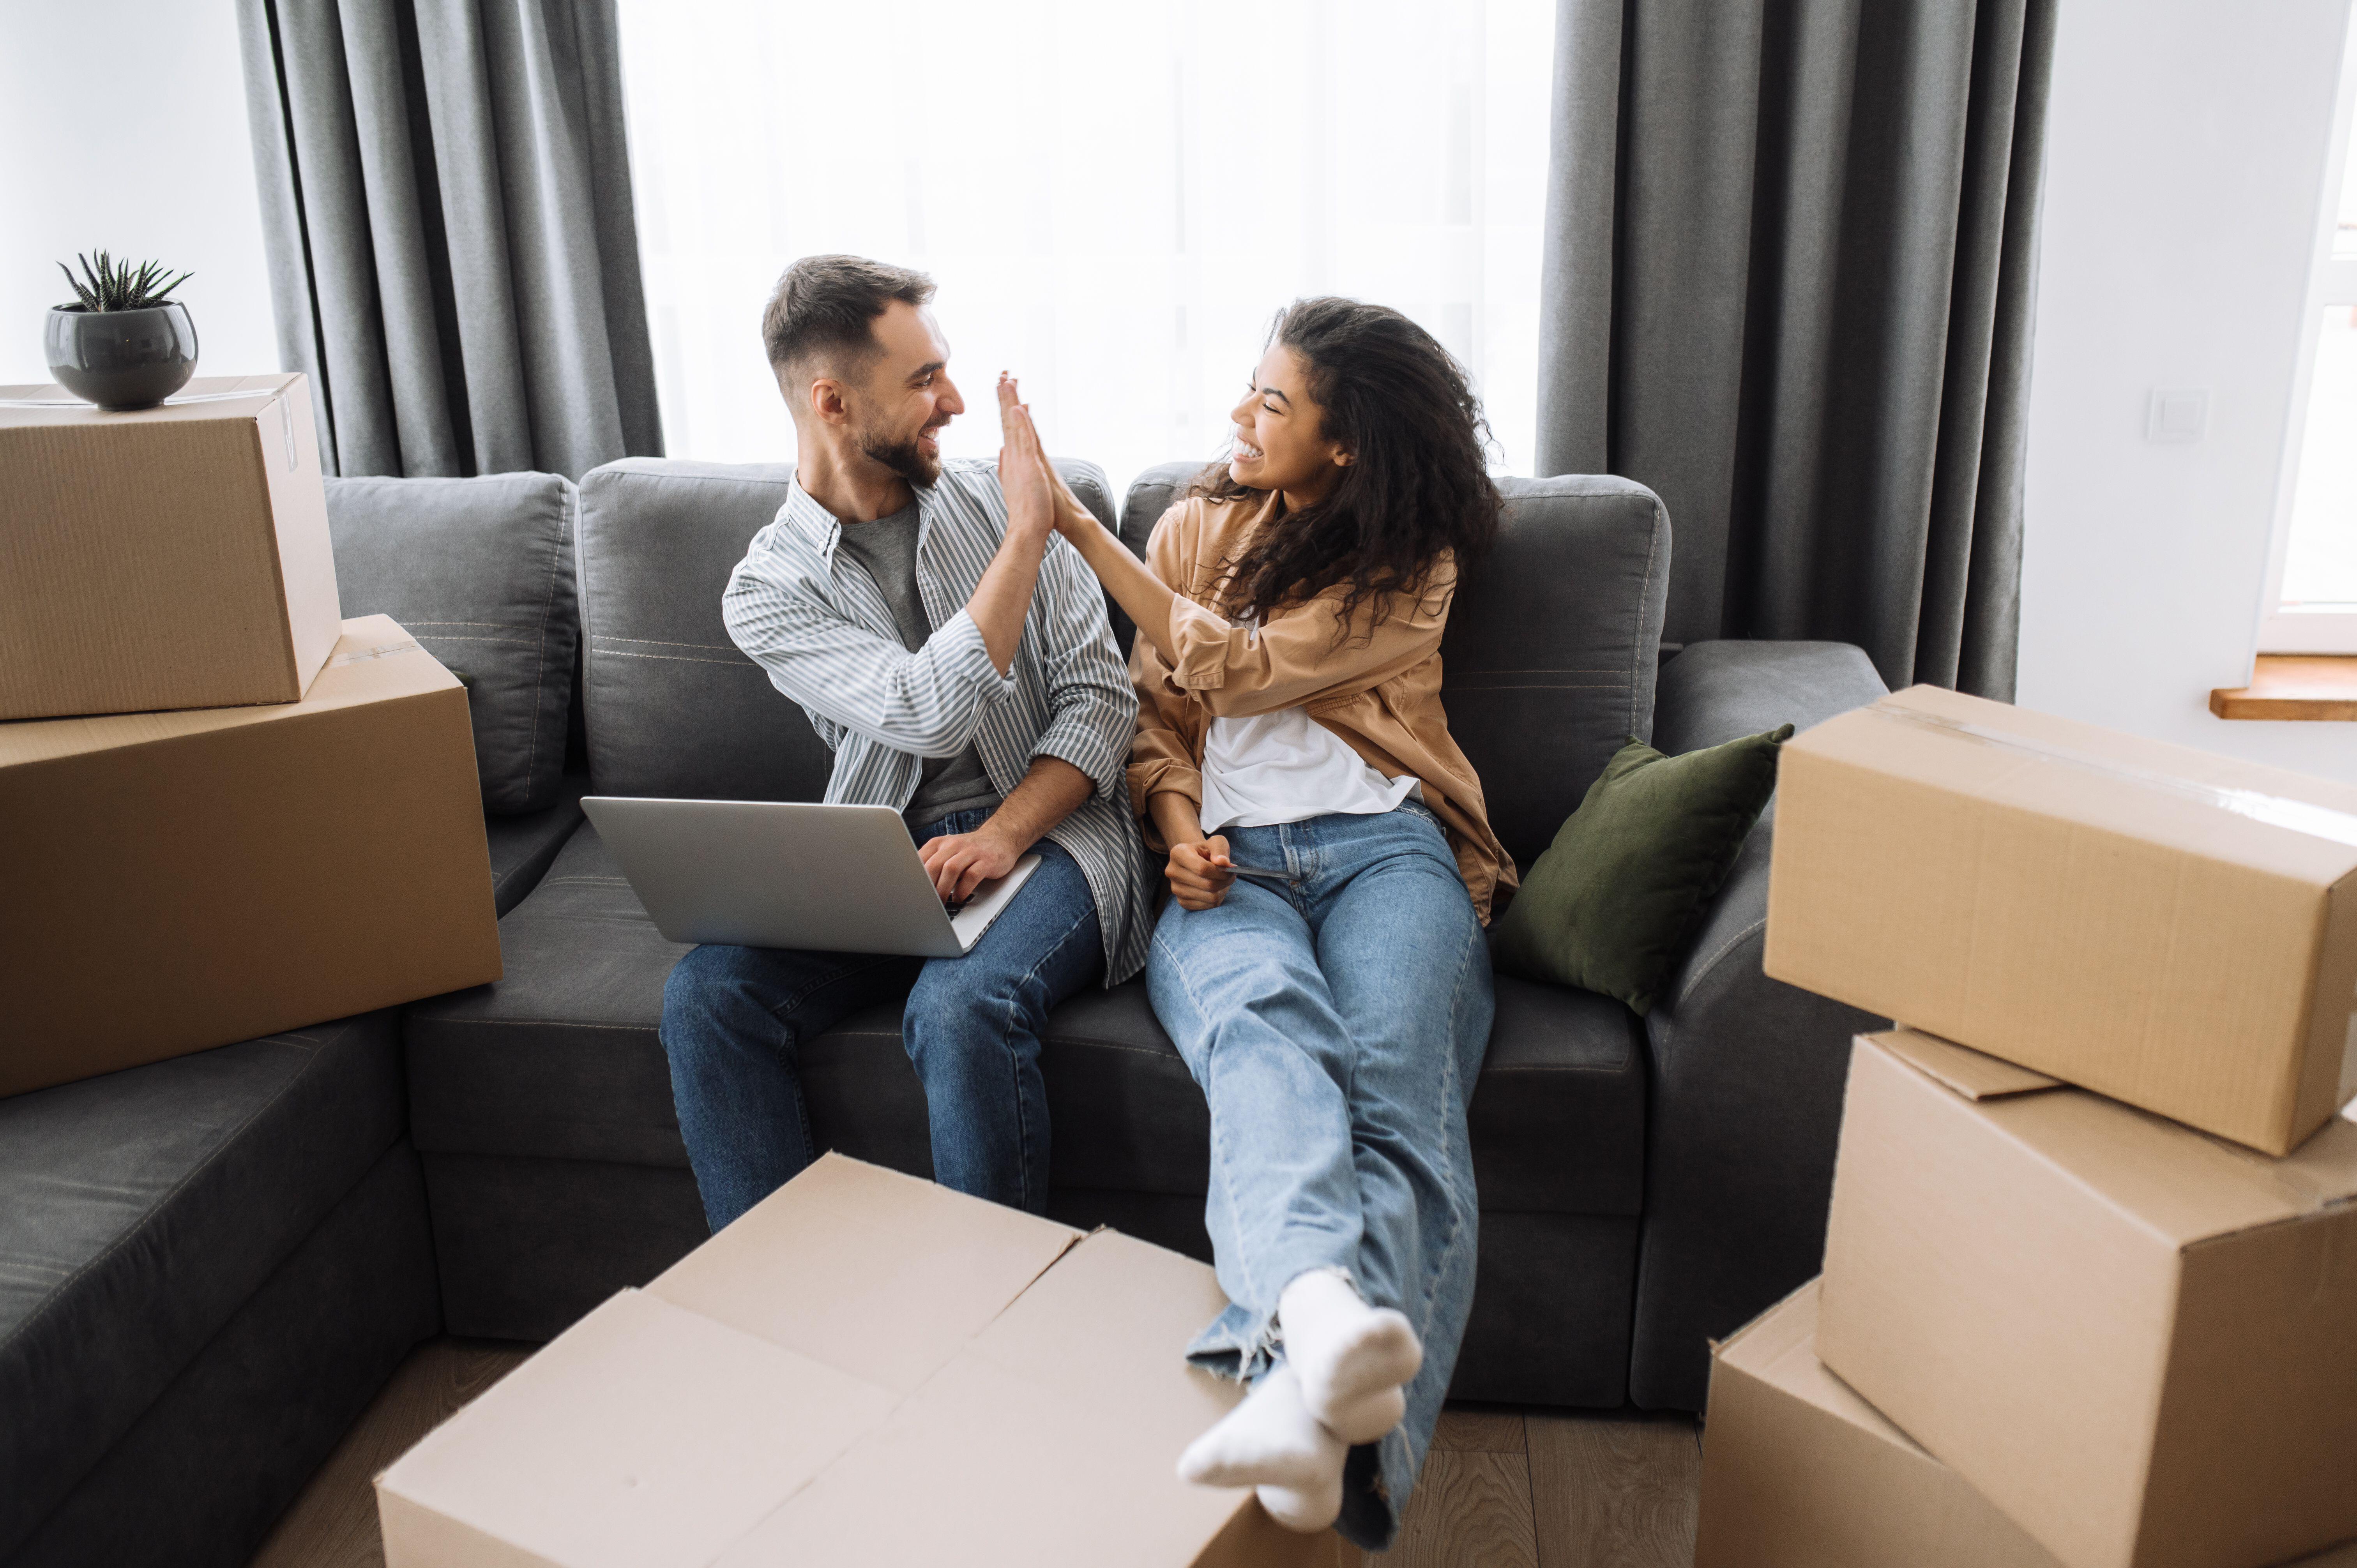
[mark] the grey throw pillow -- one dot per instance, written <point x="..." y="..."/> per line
<point x="480" y="572"/>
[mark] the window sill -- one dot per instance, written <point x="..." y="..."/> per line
<point x="2293" y="686"/>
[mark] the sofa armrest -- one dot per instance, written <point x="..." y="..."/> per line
<point x="1748" y="1072"/>
<point x="1717" y="692"/>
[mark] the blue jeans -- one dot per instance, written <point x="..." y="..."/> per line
<point x="1336" y="1021"/>
<point x="735" y="1020"/>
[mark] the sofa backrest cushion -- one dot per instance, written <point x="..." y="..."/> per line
<point x="672" y="708"/>
<point x="1549" y="661"/>
<point x="480" y="572"/>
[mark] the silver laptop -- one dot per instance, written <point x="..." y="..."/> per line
<point x="770" y="874"/>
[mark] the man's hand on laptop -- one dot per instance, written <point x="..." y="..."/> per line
<point x="960" y="863"/>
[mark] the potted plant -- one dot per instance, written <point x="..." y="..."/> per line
<point x="122" y="343"/>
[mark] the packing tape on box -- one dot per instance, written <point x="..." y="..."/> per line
<point x="381" y="650"/>
<point x="286" y="411"/>
<point x="2276" y="810"/>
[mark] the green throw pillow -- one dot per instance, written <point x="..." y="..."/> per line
<point x="1610" y="904"/>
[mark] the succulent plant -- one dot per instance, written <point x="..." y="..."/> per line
<point x="115" y="285"/>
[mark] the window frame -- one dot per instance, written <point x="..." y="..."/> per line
<point x="2331" y="283"/>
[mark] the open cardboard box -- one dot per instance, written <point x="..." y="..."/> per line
<point x="865" y="1369"/>
<point x="171" y="557"/>
<point x="2138" y="1342"/>
<point x="2170" y="927"/>
<point x="1799" y="1472"/>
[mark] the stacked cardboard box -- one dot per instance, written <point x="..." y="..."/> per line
<point x="297" y="835"/>
<point x="2112" y="1305"/>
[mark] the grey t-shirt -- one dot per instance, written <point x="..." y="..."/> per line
<point x="887" y="549"/>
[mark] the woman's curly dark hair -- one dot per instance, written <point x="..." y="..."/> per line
<point x="1416" y="485"/>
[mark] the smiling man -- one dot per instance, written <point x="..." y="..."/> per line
<point x="955" y="656"/>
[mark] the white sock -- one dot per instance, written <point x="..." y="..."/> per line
<point x="1307" y="1511"/>
<point x="1354" y="1360"/>
<point x="1270" y="1440"/>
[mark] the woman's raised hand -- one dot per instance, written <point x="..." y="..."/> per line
<point x="1024" y="476"/>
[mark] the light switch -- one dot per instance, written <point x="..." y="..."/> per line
<point x="2178" y="414"/>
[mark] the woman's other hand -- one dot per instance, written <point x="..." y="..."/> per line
<point x="1201" y="872"/>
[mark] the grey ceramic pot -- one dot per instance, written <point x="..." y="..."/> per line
<point x="123" y="359"/>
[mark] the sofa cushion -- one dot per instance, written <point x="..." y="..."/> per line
<point x="1549" y="658"/>
<point x="198" y="1480"/>
<point x="480" y="572"/>
<point x="561" y="1059"/>
<point x="144" y="1207"/>
<point x="523" y="848"/>
<point x="672" y="708"/>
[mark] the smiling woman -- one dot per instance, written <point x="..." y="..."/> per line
<point x="1114" y="199"/>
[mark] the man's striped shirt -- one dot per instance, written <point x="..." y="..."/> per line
<point x="811" y="616"/>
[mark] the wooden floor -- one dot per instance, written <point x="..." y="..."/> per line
<point x="1503" y="1488"/>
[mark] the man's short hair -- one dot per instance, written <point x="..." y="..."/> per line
<point x="823" y="311"/>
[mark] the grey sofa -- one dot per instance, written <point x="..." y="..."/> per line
<point x="1644" y="1184"/>
<point x="208" y="1265"/>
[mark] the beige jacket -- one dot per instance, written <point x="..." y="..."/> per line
<point x="1379" y="689"/>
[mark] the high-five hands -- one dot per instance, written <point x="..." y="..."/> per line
<point x="1024" y="476"/>
<point x="1022" y="448"/>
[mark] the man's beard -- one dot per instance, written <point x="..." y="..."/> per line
<point x="905" y="458"/>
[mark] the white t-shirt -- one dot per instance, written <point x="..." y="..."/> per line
<point x="1284" y="767"/>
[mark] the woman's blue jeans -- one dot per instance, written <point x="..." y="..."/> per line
<point x="735" y="1020"/>
<point x="1336" y="1020"/>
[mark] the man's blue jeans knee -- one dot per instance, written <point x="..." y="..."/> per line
<point x="735" y="1021"/>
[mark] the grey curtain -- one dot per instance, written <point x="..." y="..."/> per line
<point x="445" y="199"/>
<point x="1789" y="277"/>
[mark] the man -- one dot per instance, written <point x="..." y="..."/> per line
<point x="955" y="656"/>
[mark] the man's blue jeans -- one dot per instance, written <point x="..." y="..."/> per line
<point x="735" y="1020"/>
<point x="1336" y="1021"/>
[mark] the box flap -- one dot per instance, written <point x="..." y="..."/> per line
<point x="988" y="1467"/>
<point x="2185" y="1186"/>
<point x="1109" y="1324"/>
<point x="864" y="1269"/>
<point x="1973" y="1074"/>
<point x="375" y="661"/>
<point x="1082" y="1378"/>
<point x="647" y="1437"/>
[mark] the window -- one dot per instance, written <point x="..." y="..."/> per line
<point x="1114" y="199"/>
<point x="2312" y="579"/>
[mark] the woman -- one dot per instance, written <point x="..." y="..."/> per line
<point x="1320" y="963"/>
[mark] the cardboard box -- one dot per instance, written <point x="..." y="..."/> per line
<point x="2172" y="929"/>
<point x="2138" y="1342"/>
<point x="175" y="557"/>
<point x="865" y="1368"/>
<point x="1799" y="1472"/>
<point x="178" y="881"/>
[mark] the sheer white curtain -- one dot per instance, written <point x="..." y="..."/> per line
<point x="1115" y="197"/>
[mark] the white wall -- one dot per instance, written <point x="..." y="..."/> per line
<point x="122" y="127"/>
<point x="2185" y="165"/>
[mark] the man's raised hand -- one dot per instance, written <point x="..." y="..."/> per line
<point x="1024" y="476"/>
